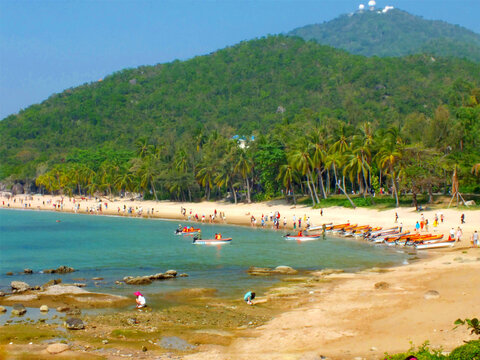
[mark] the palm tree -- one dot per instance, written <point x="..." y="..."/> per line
<point x="336" y="160"/>
<point x="243" y="167"/>
<point x="205" y="176"/>
<point x="389" y="157"/>
<point x="302" y="161"/>
<point x="288" y="175"/>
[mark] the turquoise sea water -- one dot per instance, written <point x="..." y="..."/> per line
<point x="114" y="247"/>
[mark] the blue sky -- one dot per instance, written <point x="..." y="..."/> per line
<point x="48" y="46"/>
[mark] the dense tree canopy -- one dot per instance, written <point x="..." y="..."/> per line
<point x="322" y="121"/>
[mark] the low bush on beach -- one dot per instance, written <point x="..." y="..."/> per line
<point x="469" y="351"/>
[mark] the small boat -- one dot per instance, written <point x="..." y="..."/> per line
<point x="188" y="231"/>
<point x="302" y="237"/>
<point x="212" y="241"/>
<point x="435" y="245"/>
<point x="318" y="227"/>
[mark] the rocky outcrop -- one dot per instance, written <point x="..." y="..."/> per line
<point x="74" y="324"/>
<point x="279" y="270"/>
<point x="18" y="310"/>
<point x="44" y="308"/>
<point x="28" y="271"/>
<point x="60" y="270"/>
<point x="431" y="294"/>
<point x="2" y="309"/>
<point x="145" y="280"/>
<point x="19" y="286"/>
<point x="138" y="280"/>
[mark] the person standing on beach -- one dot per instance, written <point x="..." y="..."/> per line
<point x="462" y="219"/>
<point x="452" y="234"/>
<point x="401" y="227"/>
<point x="441" y="218"/>
<point x="417" y="226"/>
<point x="475" y="239"/>
<point x="396" y="217"/>
<point x="284" y="222"/>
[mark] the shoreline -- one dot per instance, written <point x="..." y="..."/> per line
<point x="241" y="213"/>
<point x="341" y="315"/>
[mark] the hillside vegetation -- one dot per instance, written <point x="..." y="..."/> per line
<point x="166" y="130"/>
<point x="394" y="33"/>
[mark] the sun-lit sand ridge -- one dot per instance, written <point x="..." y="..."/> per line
<point x="362" y="314"/>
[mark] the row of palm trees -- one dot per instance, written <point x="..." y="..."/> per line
<point x="319" y="164"/>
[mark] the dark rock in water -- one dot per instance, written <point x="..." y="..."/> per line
<point x="74" y="324"/>
<point x="28" y="271"/>
<point x="63" y="308"/>
<point x="19" y="286"/>
<point x="2" y="294"/>
<point x="64" y="269"/>
<point x="139" y="280"/>
<point x="259" y="271"/>
<point x="60" y="270"/>
<point x="2" y="309"/>
<point x="171" y="272"/>
<point x="97" y="278"/>
<point x="51" y="282"/>
<point x="80" y="285"/>
<point x="183" y="275"/>
<point x="9" y="273"/>
<point x="144" y="348"/>
<point x="18" y="309"/>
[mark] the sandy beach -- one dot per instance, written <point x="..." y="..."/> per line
<point x="337" y="315"/>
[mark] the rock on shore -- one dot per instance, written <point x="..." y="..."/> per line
<point x="145" y="280"/>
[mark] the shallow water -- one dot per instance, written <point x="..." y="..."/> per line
<point x="114" y="247"/>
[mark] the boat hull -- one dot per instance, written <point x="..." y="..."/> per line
<point x="212" y="241"/>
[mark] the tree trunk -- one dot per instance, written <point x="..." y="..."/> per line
<point x="234" y="195"/>
<point x="430" y="194"/>
<point x="397" y="204"/>
<point x="314" y="189"/>
<point x="310" y="190"/>
<point x="248" y="191"/>
<point x="328" y="182"/>
<point x="348" y="197"/>
<point x="321" y="184"/>
<point x="154" y="191"/>
<point x="414" y="199"/>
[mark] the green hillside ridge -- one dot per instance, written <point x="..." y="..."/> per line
<point x="166" y="128"/>
<point x="394" y="33"/>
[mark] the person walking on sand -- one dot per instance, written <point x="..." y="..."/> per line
<point x="459" y="234"/>
<point x="396" y="217"/>
<point x="475" y="239"/>
<point x="248" y="297"/>
<point x="140" y="300"/>
<point x="462" y="219"/>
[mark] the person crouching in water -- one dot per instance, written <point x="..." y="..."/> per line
<point x="140" y="300"/>
<point x="249" y="296"/>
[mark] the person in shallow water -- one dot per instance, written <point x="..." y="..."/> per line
<point x="249" y="296"/>
<point x="140" y="300"/>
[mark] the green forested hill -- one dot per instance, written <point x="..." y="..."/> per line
<point x="394" y="33"/>
<point x="275" y="85"/>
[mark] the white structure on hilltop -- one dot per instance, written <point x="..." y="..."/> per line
<point x="361" y="7"/>
<point x="387" y="8"/>
<point x="372" y="4"/>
